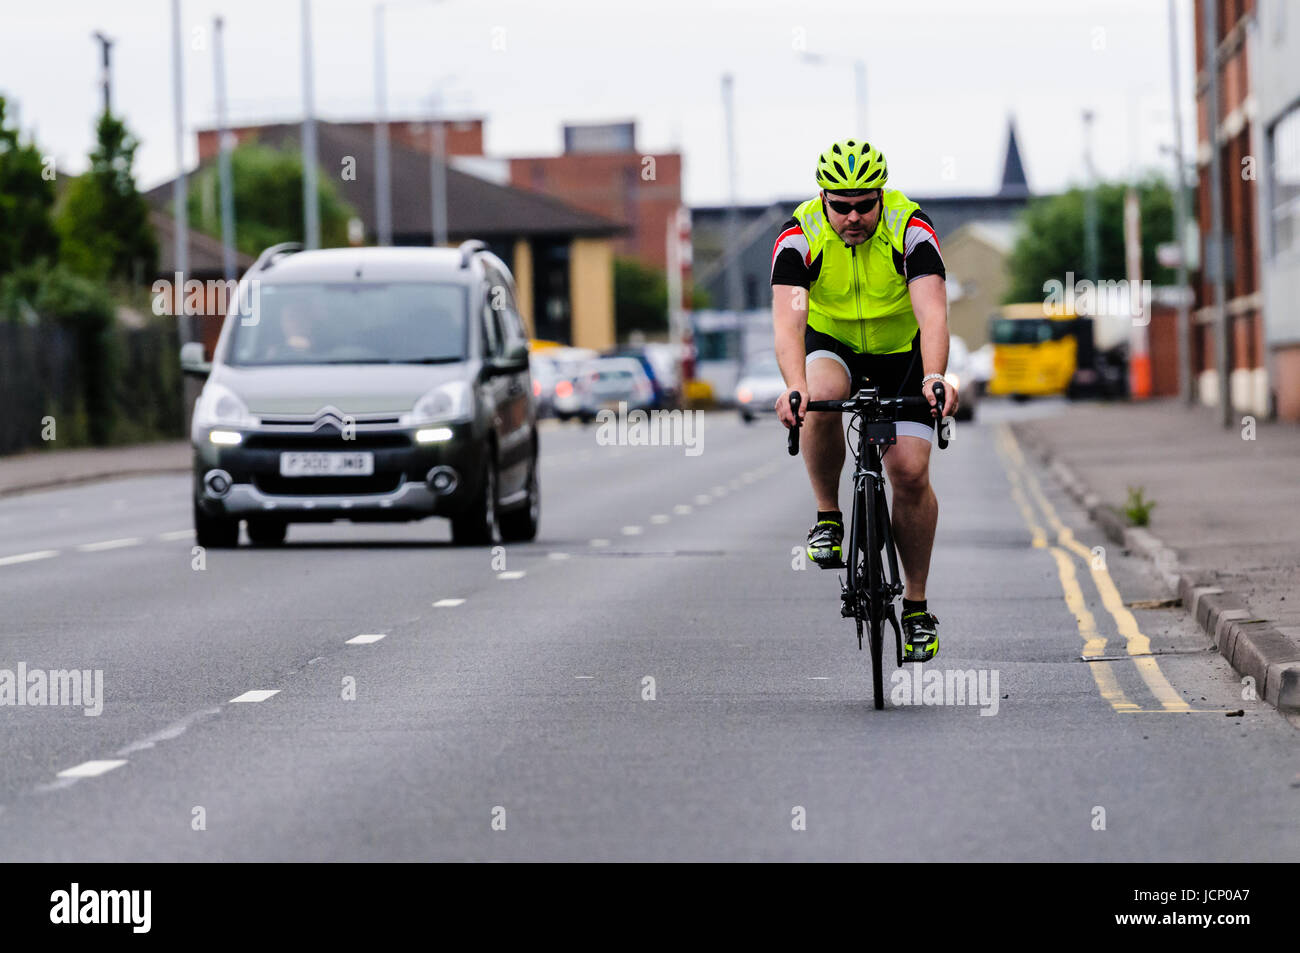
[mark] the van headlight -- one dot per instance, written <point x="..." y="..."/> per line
<point x="219" y="406"/>
<point x="445" y="403"/>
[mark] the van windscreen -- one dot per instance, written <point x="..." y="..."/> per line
<point x="351" y="323"/>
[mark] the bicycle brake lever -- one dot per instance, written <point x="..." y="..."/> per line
<point x="941" y="400"/>
<point x="793" y="443"/>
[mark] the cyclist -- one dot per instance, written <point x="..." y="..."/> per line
<point x="858" y="292"/>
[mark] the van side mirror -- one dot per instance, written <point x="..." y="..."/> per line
<point x="192" y="360"/>
<point x="514" y="357"/>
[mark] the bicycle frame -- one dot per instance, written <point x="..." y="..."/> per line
<point x="871" y="593"/>
<point x="866" y="594"/>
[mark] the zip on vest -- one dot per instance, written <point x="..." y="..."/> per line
<point x="857" y="298"/>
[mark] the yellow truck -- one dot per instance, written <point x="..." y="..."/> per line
<point x="1037" y="354"/>
<point x="1034" y="354"/>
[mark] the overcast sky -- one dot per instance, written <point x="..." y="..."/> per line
<point x="942" y="79"/>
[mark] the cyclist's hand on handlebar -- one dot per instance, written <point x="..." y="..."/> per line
<point x="950" y="396"/>
<point x="783" y="405"/>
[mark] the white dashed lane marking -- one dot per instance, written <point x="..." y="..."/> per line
<point x="363" y="639"/>
<point x="631" y="530"/>
<point x="448" y="603"/>
<point x="176" y="534"/>
<point x="110" y="544"/>
<point x="28" y="557"/>
<point x="256" y="695"/>
<point x="91" y="769"/>
<point x="659" y="518"/>
<point x="512" y="574"/>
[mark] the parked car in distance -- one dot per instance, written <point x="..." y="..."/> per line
<point x="661" y="365"/>
<point x="558" y="372"/>
<point x="759" y="387"/>
<point x="981" y="367"/>
<point x="608" y="381"/>
<point x="961" y="374"/>
<point x="371" y="384"/>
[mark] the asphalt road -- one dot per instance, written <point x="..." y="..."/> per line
<point x="506" y="713"/>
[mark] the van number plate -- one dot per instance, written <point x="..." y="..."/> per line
<point x="327" y="464"/>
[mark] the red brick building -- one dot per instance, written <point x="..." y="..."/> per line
<point x="464" y="137"/>
<point x="602" y="172"/>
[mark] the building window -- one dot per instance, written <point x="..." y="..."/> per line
<point x="1285" y="146"/>
<point x="551" y="294"/>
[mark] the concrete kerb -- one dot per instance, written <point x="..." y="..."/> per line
<point x="1253" y="647"/>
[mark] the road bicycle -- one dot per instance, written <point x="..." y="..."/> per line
<point x="866" y="594"/>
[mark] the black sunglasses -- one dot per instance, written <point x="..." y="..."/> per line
<point x="862" y="208"/>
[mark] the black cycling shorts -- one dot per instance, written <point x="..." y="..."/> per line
<point x="896" y="375"/>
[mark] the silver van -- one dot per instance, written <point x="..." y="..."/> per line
<point x="367" y="384"/>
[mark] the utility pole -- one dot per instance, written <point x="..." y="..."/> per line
<point x="1217" y="260"/>
<point x="860" y="98"/>
<point x="1186" y="389"/>
<point x="1091" y="243"/>
<point x="106" y="76"/>
<point x="733" y="213"/>
<point x="438" y="175"/>
<point x="223" y="158"/>
<point x="383" y="190"/>
<point x="310" y="198"/>
<point x="180" y="212"/>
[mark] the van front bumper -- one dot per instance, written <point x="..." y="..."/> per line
<point x="409" y="480"/>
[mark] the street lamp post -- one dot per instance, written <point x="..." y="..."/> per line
<point x="733" y="213"/>
<point x="310" y="198"/>
<point x="106" y="77"/>
<point x="1091" y="243"/>
<point x="223" y="155"/>
<point x="383" y="190"/>
<point x="438" y="173"/>
<point x="859" y="85"/>
<point x="383" y="162"/>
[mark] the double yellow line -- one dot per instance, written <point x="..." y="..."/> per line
<point x="1024" y="485"/>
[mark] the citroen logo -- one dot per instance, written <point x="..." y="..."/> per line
<point x="329" y="415"/>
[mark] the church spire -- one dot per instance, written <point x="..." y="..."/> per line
<point x="1013" y="169"/>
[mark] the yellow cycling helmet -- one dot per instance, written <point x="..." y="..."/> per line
<point x="852" y="165"/>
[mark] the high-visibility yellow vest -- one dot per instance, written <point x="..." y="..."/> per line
<point x="858" y="297"/>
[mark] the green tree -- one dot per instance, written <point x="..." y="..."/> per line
<point x="103" y="221"/>
<point x="268" y="200"/>
<point x="1052" y="239"/>
<point x="81" y="311"/>
<point x="26" y="200"/>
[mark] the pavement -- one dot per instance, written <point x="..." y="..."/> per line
<point x="654" y="678"/>
<point x="41" y="469"/>
<point x="1225" y="531"/>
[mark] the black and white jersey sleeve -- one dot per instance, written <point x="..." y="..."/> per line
<point x="790" y="262"/>
<point x="921" y="255"/>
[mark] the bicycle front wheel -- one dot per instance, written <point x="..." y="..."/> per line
<point x="877" y="666"/>
<point x="871" y="588"/>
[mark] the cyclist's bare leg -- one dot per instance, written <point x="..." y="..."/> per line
<point x="823" y="434"/>
<point x="915" y="509"/>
